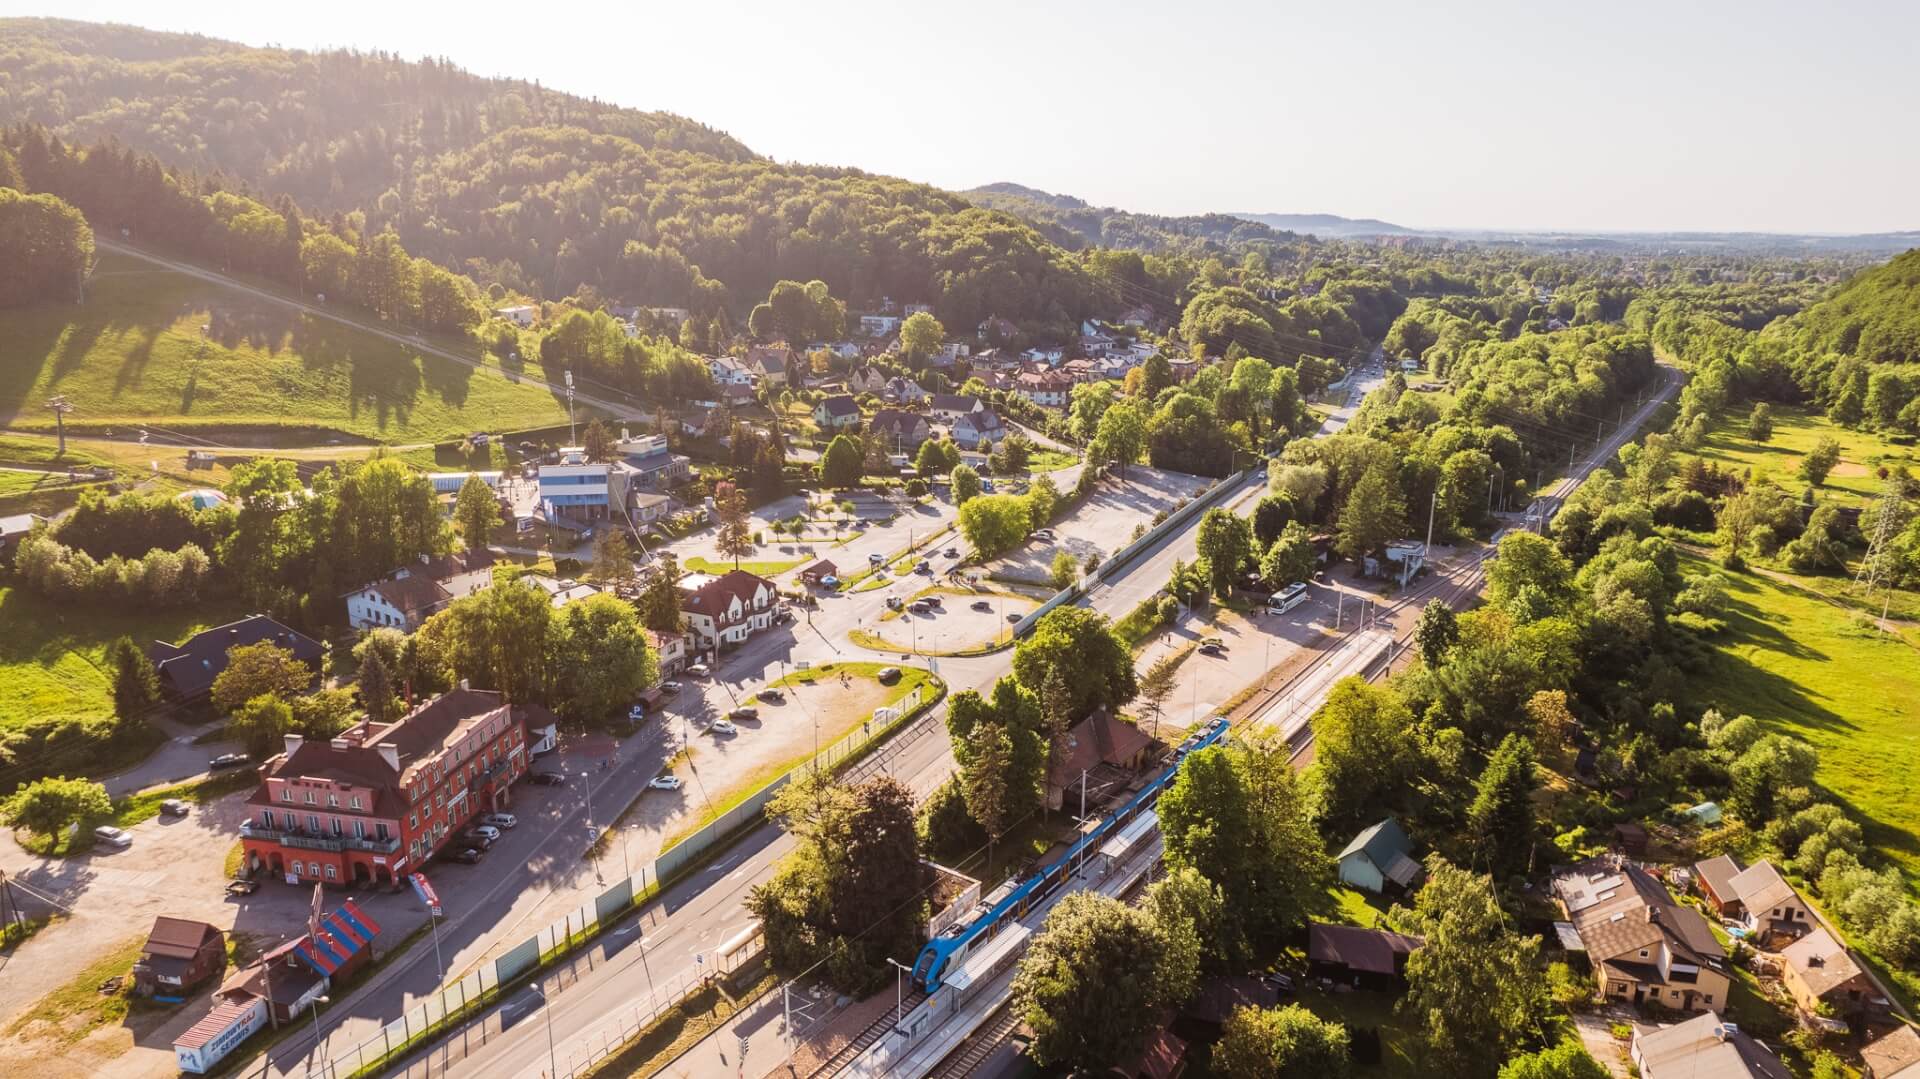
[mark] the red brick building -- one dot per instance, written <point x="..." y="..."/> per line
<point x="376" y="802"/>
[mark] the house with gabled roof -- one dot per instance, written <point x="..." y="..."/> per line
<point x="187" y="669"/>
<point x="1643" y="946"/>
<point x="1767" y="907"/>
<point x="179" y="954"/>
<point x="902" y="432"/>
<point x="1703" y="1047"/>
<point x="1379" y="857"/>
<point x="1826" y="981"/>
<point x="948" y="407"/>
<point x="1101" y="738"/>
<point x="769" y="363"/>
<point x="981" y="430"/>
<point x="409" y="595"/>
<point x="836" y="413"/>
<point x="903" y="391"/>
<point x="725" y="611"/>
<point x="867" y="380"/>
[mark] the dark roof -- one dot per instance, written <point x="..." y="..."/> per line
<point x="842" y="405"/>
<point x="1160" y="1058"/>
<point x="822" y="568"/>
<point x="1381" y="843"/>
<point x="954" y="402"/>
<point x="711" y="598"/>
<point x="1220" y="997"/>
<point x="1371" y="951"/>
<point x="1098" y="739"/>
<point x="981" y="422"/>
<point x="191" y="666"/>
<point x="893" y="421"/>
<point x="1620" y="908"/>
<point x="178" y="938"/>
<point x="419" y="733"/>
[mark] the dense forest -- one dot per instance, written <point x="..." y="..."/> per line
<point x="541" y="192"/>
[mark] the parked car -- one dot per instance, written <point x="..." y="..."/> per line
<point x="174" y="807"/>
<point x="499" y="820"/>
<point x="697" y="670"/>
<point x="771" y="693"/>
<point x="829" y="581"/>
<point x="240" y="886"/>
<point x="921" y="606"/>
<point x="669" y="687"/>
<point x="876" y="558"/>
<point x="895" y="603"/>
<point x="665" y="783"/>
<point x="228" y="760"/>
<point x="925" y="567"/>
<point x="889" y="675"/>
<point x="723" y="726"/>
<point x="1212" y="650"/>
<point x="981" y="605"/>
<point x="952" y="552"/>
<point x="467" y="855"/>
<point x="483" y="835"/>
<point x="933" y="600"/>
<point x="1042" y="534"/>
<point x="113" y="837"/>
<point x="547" y="779"/>
<point x="744" y="713"/>
<point x="782" y="616"/>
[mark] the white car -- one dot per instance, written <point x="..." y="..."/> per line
<point x="697" y="670"/>
<point x="500" y="820"/>
<point x="485" y="831"/>
<point x="723" y="726"/>
<point x="113" y="837"/>
<point x="669" y="687"/>
<point x="665" y="783"/>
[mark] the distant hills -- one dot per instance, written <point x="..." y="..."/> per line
<point x="1074" y="223"/>
<point x="1330" y="226"/>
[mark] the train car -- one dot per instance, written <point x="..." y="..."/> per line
<point x="942" y="953"/>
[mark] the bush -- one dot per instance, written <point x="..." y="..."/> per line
<point x="916" y="488"/>
<point x="946" y="828"/>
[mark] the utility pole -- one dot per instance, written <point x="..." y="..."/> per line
<point x="61" y="406"/>
<point x="572" y="439"/>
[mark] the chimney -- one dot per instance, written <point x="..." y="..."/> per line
<point x="341" y="743"/>
<point x="391" y="754"/>
<point x="1653" y="914"/>
<point x="293" y="743"/>
<point x="463" y="684"/>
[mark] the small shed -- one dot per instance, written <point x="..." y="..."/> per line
<point x="178" y="955"/>
<point x="1364" y="958"/>
<point x="1706" y="814"/>
<point x="1715" y="877"/>
<point x="1630" y="839"/>
<point x="1378" y="856"/>
<point x="818" y="572"/>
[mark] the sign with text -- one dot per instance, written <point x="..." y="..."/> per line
<point x="423" y="888"/>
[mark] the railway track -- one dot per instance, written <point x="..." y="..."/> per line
<point x="962" y="1061"/>
<point x="851" y="1051"/>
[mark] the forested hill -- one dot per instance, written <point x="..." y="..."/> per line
<point x="335" y="130"/>
<point x="1071" y="222"/>
<point x="541" y="192"/>
<point x="1874" y="317"/>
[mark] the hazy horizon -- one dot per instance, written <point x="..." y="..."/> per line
<point x="1633" y="119"/>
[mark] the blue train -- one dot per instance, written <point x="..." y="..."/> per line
<point x="943" y="952"/>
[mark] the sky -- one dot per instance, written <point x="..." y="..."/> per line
<point x="1624" y="116"/>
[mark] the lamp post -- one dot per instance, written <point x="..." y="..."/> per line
<point x="899" y="1001"/>
<point x="546" y="1006"/>
<point x="314" y="1004"/>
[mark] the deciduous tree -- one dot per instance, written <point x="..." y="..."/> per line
<point x="475" y="511"/>
<point x="1087" y="984"/>
<point x="257" y="670"/>
<point x="1282" y="1043"/>
<point x="1077" y="646"/>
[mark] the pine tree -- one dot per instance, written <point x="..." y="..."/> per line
<point x="136" y="686"/>
<point x="1500" y="821"/>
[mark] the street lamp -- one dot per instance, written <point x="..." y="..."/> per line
<point x="898" y="1000"/>
<point x="314" y="1004"/>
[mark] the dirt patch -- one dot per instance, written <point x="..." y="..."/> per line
<point x="1848" y="469"/>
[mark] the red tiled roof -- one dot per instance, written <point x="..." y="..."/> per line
<point x="712" y="598"/>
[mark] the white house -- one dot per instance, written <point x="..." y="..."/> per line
<point x="948" y="407"/>
<point x="728" y="371"/>
<point x="879" y="325"/>
<point x="867" y="380"/>
<point x="981" y="430"/>
<point x="727" y="610"/>
<point x="1048" y="354"/>
<point x="834" y="413"/>
<point x="523" y="315"/>
<point x="903" y="391"/>
<point x="411" y="593"/>
<point x="1380" y="855"/>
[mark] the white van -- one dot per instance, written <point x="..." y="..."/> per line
<point x="1287" y="598"/>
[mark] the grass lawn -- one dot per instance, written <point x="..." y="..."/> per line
<point x="1050" y="461"/>
<point x="1400" y="1048"/>
<point x="1801" y="665"/>
<point x="52" y="654"/>
<point x="134" y="354"/>
<point x="77" y="1008"/>
<point x="1795" y="430"/>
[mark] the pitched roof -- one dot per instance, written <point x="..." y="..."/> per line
<point x="954" y="402"/>
<point x="1761" y="887"/>
<point x="19" y="524"/>
<point x="418" y="735"/>
<point x="986" y="421"/>
<point x="178" y="938"/>
<point x="841" y="405"/>
<point x="1718" y="874"/>
<point x="1098" y="739"/>
<point x="1895" y="1056"/>
<point x="889" y="421"/>
<point x="1619" y="909"/>
<point x="1822" y="962"/>
<point x="191" y="666"/>
<point x="1372" y="951"/>
<point x="713" y="598"/>
<point x="1386" y="845"/>
<point x="1704" y="1048"/>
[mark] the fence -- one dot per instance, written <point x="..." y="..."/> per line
<point x="464" y="998"/>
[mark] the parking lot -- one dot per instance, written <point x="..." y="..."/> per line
<point x="956" y="624"/>
<point x="1102" y="524"/>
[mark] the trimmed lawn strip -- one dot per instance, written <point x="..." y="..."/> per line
<point x="759" y="569"/>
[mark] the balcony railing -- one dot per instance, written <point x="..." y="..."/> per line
<point x="311" y="841"/>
